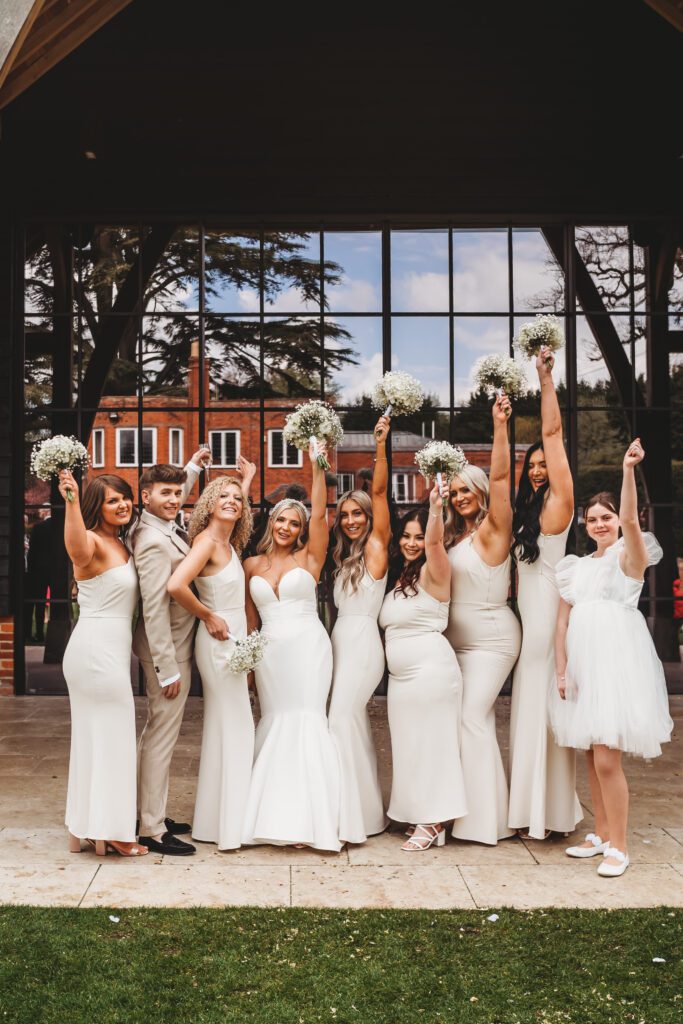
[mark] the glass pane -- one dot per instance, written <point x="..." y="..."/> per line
<point x="595" y="385"/>
<point x="419" y="271"/>
<point x="475" y="337"/>
<point x="480" y="271"/>
<point x="50" y="366"/>
<point x="538" y="281"/>
<point x="106" y="257"/>
<point x="602" y="437"/>
<point x="292" y="357"/>
<point x="232" y="269"/>
<point x="353" y="357"/>
<point x="292" y="271"/>
<point x="420" y="345"/>
<point x="127" y="446"/>
<point x="676" y="293"/>
<point x="170" y="356"/>
<point x="117" y="374"/>
<point x="354" y="278"/>
<point x="605" y="252"/>
<point x="39" y="284"/>
<point x="233" y="349"/>
<point x="174" y="283"/>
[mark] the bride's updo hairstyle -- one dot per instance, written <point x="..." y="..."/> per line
<point x="478" y="482"/>
<point x="206" y="504"/>
<point x="266" y="544"/>
<point x="404" y="575"/>
<point x="347" y="554"/>
<point x="93" y="499"/>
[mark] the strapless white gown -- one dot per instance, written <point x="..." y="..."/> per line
<point x="228" y="733"/>
<point x="101" y="795"/>
<point x="294" y="792"/>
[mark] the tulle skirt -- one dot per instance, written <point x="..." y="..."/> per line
<point x="616" y="691"/>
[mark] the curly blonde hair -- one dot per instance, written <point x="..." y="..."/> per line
<point x="348" y="555"/>
<point x="478" y="482"/>
<point x="204" y="509"/>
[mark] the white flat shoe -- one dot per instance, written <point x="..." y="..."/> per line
<point x="613" y="870"/>
<point x="588" y="851"/>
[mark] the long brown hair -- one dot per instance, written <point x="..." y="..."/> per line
<point x="347" y="554"/>
<point x="605" y="498"/>
<point x="404" y="575"/>
<point x="93" y="499"/>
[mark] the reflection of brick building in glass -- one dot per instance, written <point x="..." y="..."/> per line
<point x="171" y="434"/>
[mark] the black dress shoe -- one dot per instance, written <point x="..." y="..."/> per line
<point x="168" y="844"/>
<point x="177" y="828"/>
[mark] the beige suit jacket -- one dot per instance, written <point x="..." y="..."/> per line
<point x="164" y="635"/>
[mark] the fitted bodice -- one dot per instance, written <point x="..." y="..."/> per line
<point x="581" y="580"/>
<point x="409" y="616"/>
<point x="366" y="600"/>
<point x="551" y="549"/>
<point x="224" y="591"/>
<point x="473" y="581"/>
<point x="111" y="595"/>
<point x="297" y="596"/>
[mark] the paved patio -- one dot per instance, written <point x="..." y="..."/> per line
<point x="35" y="867"/>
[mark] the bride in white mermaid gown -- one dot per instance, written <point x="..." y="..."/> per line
<point x="294" y="792"/>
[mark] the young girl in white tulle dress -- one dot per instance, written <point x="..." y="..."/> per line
<point x="611" y="694"/>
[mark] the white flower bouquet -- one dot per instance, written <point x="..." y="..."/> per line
<point x="542" y="330"/>
<point x="247" y="653"/>
<point x="439" y="459"/>
<point x="397" y="393"/>
<point x="312" y="422"/>
<point x="496" y="373"/>
<point x="56" y="453"/>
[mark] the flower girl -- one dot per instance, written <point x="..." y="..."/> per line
<point x="611" y="694"/>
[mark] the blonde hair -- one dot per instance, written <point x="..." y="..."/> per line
<point x="349" y="555"/>
<point x="206" y="505"/>
<point x="478" y="482"/>
<point x="266" y="544"/>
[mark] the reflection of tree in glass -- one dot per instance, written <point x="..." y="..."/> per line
<point x="362" y="415"/>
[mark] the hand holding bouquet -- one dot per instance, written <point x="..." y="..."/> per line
<point x="247" y="653"/>
<point x="49" y="457"/>
<point x="440" y="461"/>
<point x="496" y="374"/>
<point x="397" y="393"/>
<point x="543" y="331"/>
<point x="312" y="422"/>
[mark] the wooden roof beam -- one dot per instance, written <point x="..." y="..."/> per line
<point x="16" y="23"/>
<point x="672" y="10"/>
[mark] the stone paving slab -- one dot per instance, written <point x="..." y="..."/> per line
<point x="433" y="887"/>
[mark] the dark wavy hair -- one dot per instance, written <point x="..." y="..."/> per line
<point x="93" y="499"/>
<point x="526" y="521"/>
<point x="406" y="574"/>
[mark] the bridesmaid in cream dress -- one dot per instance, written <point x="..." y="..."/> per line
<point x="101" y="794"/>
<point x="219" y="529"/>
<point x="424" y="682"/>
<point x="362" y="533"/>
<point x="542" y="774"/>
<point x="482" y="629"/>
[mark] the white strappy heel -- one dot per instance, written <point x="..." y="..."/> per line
<point x="423" y="837"/>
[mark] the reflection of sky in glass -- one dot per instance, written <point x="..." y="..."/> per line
<point x="359" y="254"/>
<point x="182" y="291"/>
<point x="419" y="271"/>
<point x="289" y="299"/>
<point x="536" y="277"/>
<point x="560" y="368"/>
<point x="353" y="381"/>
<point x="590" y="366"/>
<point x="480" y="271"/>
<point x="605" y="251"/>
<point x="156" y="364"/>
<point x="420" y="347"/>
<point x="221" y="294"/>
<point x="476" y="337"/>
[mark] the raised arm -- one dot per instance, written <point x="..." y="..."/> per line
<point x="318" y="530"/>
<point x="179" y="587"/>
<point x="495" y="532"/>
<point x="79" y="542"/>
<point x="561" y="625"/>
<point x="247" y="471"/>
<point x="634" y="556"/>
<point x="253" y="618"/>
<point x="437" y="571"/>
<point x="559" y="506"/>
<point x="377" y="547"/>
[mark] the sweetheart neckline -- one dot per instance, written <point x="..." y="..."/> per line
<point x="276" y="594"/>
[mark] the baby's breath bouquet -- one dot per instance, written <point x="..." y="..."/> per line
<point x="397" y="393"/>
<point x="247" y="653"/>
<point x="312" y="422"/>
<point x="439" y="459"/>
<point x="542" y="330"/>
<point x="496" y="373"/>
<point x="56" y="453"/>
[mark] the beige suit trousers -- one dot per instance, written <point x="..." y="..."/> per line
<point x="155" y="749"/>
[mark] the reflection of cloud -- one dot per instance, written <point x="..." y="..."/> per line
<point x="358" y="380"/>
<point x="354" y="296"/>
<point x="418" y="293"/>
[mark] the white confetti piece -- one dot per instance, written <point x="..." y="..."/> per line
<point x="114" y="919"/>
<point x="658" y="960"/>
<point x="492" y="917"/>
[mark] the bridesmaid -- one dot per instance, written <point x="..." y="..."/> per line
<point x="542" y="774"/>
<point x="219" y="529"/>
<point x="362" y="533"/>
<point x="482" y="629"/>
<point x="424" y="681"/>
<point x="101" y="794"/>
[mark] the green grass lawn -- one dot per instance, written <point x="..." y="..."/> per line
<point x="300" y="966"/>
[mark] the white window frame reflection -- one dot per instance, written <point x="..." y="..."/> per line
<point x="98" y="448"/>
<point x="223" y="463"/>
<point x="176" y="438"/>
<point x="345" y="482"/>
<point x="403" y="487"/>
<point x="285" y="464"/>
<point x="134" y="430"/>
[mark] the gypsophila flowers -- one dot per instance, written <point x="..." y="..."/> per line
<point x="311" y="421"/>
<point x="542" y="330"/>
<point x="56" y="453"/>
<point x="397" y="393"/>
<point x="440" y="457"/>
<point x="499" y="373"/>
<point x="247" y="653"/>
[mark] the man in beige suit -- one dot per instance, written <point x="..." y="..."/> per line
<point x="163" y="642"/>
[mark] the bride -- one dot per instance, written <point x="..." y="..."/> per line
<point x="294" y="793"/>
